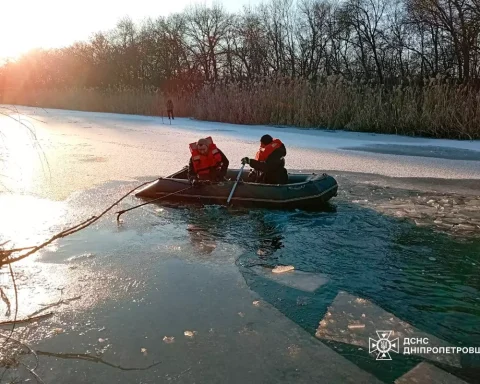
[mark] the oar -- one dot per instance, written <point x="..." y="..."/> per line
<point x="151" y="201"/>
<point x="235" y="185"/>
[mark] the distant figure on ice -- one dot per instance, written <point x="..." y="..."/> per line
<point x="208" y="163"/>
<point x="269" y="163"/>
<point x="170" y="109"/>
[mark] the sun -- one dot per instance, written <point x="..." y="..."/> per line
<point x="13" y="49"/>
<point x="17" y="36"/>
<point x="26" y="25"/>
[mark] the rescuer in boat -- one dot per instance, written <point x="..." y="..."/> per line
<point x="269" y="163"/>
<point x="207" y="163"/>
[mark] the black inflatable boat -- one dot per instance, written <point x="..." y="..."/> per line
<point x="303" y="191"/>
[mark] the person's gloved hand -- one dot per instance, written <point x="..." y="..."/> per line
<point x="195" y="182"/>
<point x="245" y="160"/>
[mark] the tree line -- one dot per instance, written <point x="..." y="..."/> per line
<point x="364" y="41"/>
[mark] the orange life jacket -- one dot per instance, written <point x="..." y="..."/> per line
<point x="264" y="152"/>
<point x="203" y="163"/>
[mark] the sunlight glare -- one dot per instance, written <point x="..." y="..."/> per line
<point x="27" y="24"/>
<point x="28" y="220"/>
<point x="19" y="157"/>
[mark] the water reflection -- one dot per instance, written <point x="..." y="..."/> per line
<point x="203" y="228"/>
<point x="201" y="240"/>
<point x="270" y="235"/>
<point x="209" y="226"/>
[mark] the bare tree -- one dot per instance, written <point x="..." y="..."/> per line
<point x="206" y="31"/>
<point x="314" y="34"/>
<point x="250" y="44"/>
<point x="459" y="21"/>
<point x="373" y="40"/>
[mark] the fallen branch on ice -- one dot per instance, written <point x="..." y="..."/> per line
<point x="29" y="319"/>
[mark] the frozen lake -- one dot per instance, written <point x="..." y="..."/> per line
<point x="401" y="249"/>
<point x="97" y="147"/>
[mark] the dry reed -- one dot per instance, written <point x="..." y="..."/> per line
<point x="434" y="110"/>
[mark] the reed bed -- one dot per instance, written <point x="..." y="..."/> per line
<point x="437" y="109"/>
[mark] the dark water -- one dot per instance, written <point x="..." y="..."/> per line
<point x="426" y="279"/>
<point x="429" y="280"/>
<point x="422" y="151"/>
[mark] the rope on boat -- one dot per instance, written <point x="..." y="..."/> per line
<point x="119" y="213"/>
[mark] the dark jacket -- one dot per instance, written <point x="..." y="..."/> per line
<point x="272" y="170"/>
<point x="169" y="105"/>
<point x="215" y="174"/>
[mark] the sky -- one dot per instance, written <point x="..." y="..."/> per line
<point x="29" y="24"/>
